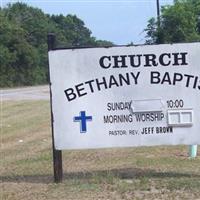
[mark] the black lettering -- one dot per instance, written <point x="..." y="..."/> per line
<point x="155" y="77"/>
<point x="166" y="78"/>
<point x="102" y="63"/>
<point x="119" y="60"/>
<point x="177" y="77"/>
<point x="90" y="85"/>
<point x="188" y="79"/>
<point x="70" y="94"/>
<point x="180" y="57"/>
<point x="109" y="105"/>
<point x="195" y="82"/>
<point x="79" y="89"/>
<point x="161" y="59"/>
<point x="113" y="81"/>
<point x="124" y="79"/>
<point x="135" y="77"/>
<point x="101" y="83"/>
<point x="150" y="60"/>
<point x="132" y="60"/>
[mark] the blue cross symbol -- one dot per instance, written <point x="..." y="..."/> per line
<point x="82" y="119"/>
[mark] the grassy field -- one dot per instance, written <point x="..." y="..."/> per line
<point x="126" y="173"/>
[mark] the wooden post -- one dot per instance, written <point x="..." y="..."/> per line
<point x="57" y="154"/>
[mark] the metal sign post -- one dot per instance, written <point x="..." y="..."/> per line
<point x="192" y="151"/>
<point x="57" y="154"/>
<point x="158" y="9"/>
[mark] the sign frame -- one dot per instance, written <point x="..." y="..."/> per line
<point x="57" y="154"/>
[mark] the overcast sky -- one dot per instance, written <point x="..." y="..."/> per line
<point x="118" y="21"/>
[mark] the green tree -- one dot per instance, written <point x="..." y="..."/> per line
<point x="74" y="30"/>
<point x="178" y="23"/>
<point x="19" y="60"/>
<point x="23" y="42"/>
<point x="103" y="43"/>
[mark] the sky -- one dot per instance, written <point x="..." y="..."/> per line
<point x="118" y="21"/>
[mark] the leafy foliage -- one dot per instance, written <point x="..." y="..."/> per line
<point x="178" y="23"/>
<point x="23" y="46"/>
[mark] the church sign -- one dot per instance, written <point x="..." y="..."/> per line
<point x="125" y="96"/>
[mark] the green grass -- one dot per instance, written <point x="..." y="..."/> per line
<point x="26" y="172"/>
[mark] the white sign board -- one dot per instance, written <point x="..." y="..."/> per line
<point x="126" y="96"/>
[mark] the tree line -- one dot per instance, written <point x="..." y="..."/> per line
<point x="24" y="29"/>
<point x="23" y="42"/>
